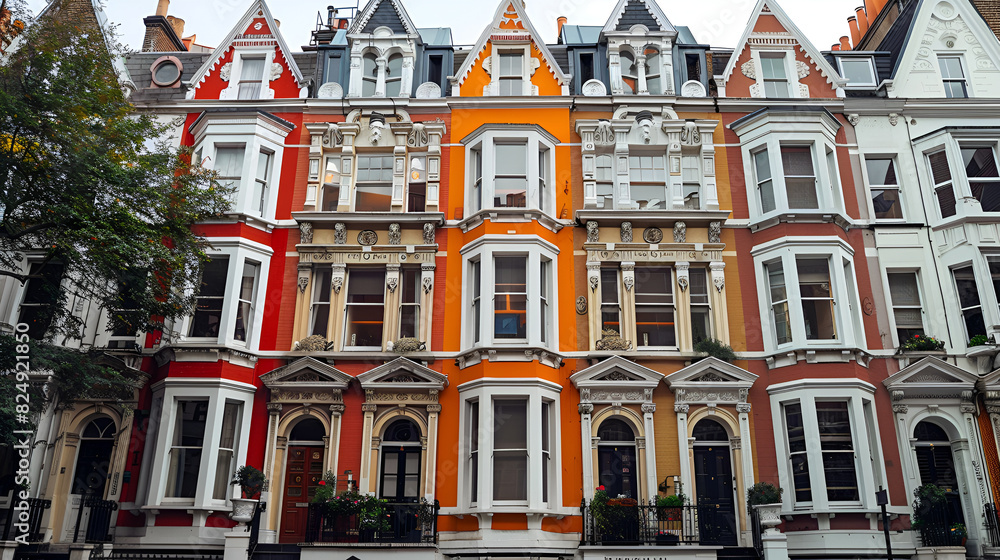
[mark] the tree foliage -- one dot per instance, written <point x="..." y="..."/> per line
<point x="88" y="182"/>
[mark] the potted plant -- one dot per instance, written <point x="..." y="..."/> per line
<point x="670" y="508"/>
<point x="765" y="499"/>
<point x="716" y="349"/>
<point x="251" y="482"/>
<point x="921" y="343"/>
<point x="426" y="515"/>
<point x="958" y="534"/>
<point x="929" y="517"/>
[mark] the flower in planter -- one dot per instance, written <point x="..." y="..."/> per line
<point x="921" y="344"/>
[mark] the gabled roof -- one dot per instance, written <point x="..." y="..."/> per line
<point x="930" y="377"/>
<point x="384" y="13"/>
<point x="711" y="371"/>
<point x="402" y="373"/>
<point x="629" y="13"/>
<point x="771" y="7"/>
<point x="306" y="372"/>
<point x="257" y="9"/>
<point x="510" y="16"/>
<point x="899" y="33"/>
<point x="617" y="372"/>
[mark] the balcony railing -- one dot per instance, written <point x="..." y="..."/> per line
<point x="992" y="520"/>
<point x="404" y="523"/>
<point x="646" y="524"/>
<point x="936" y="528"/>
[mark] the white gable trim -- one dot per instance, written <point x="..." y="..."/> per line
<point x="366" y="14"/>
<point x="533" y="37"/>
<point x="693" y="373"/>
<point x="327" y="373"/>
<point x="928" y="377"/>
<point x="654" y="10"/>
<point x="213" y="61"/>
<point x="773" y="8"/>
<point x="643" y="377"/>
<point x="376" y="377"/>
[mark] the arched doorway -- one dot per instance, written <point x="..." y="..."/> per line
<point x="616" y="459"/>
<point x="303" y="472"/>
<point x="399" y="477"/>
<point x="93" y="459"/>
<point x="936" y="464"/>
<point x="713" y="480"/>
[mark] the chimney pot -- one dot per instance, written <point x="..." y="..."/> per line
<point x="177" y="24"/>
<point x="835" y="47"/>
<point x="852" y="22"/>
<point x="862" y="21"/>
<point x="277" y="23"/>
<point x="561" y="21"/>
<point x="162" y="6"/>
<point x="845" y="43"/>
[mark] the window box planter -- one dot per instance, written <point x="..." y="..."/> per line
<point x="985" y="356"/>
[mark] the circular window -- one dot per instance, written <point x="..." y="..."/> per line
<point x="166" y="71"/>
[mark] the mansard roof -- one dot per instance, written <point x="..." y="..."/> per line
<point x="258" y="9"/>
<point x="629" y="13"/>
<point x="384" y="13"/>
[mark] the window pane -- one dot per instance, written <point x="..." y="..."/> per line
<point x="886" y="204"/>
<point x="858" y="72"/>
<point x="951" y="67"/>
<point x="654" y="307"/>
<point x="510" y="298"/>
<point x="510" y="453"/>
<point x="800" y="176"/>
<point x="244" y="308"/>
<point x="906" y="304"/>
<point x="881" y="171"/>
<point x="185" y="452"/>
<point x="817" y="299"/>
<point x="939" y="167"/>
<point x="365" y="307"/>
<point x="610" y="310"/>
<point x="946" y="200"/>
<point x="774" y="66"/>
<point x="779" y="303"/>
<point x="837" y="444"/>
<point x="968" y="297"/>
<point x="797" y="453"/>
<point x="208" y="310"/>
<point x="512" y="159"/>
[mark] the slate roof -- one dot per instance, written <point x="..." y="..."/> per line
<point x="897" y="36"/>
<point x="385" y="15"/>
<point x="636" y="12"/>
<point x="139" y="65"/>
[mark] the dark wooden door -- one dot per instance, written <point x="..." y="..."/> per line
<point x="303" y="471"/>
<point x="713" y="473"/>
<point x="400" y="473"/>
<point x="617" y="465"/>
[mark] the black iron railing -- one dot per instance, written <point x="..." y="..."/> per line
<point x="98" y="529"/>
<point x="16" y="519"/>
<point x="254" y="528"/>
<point x="992" y="522"/>
<point x="935" y="528"/>
<point x="403" y="523"/>
<point x="757" y="531"/>
<point x="627" y="522"/>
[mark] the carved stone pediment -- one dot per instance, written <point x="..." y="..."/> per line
<point x="711" y="380"/>
<point x="931" y="378"/>
<point x="306" y="380"/>
<point x="402" y="375"/>
<point x="616" y="379"/>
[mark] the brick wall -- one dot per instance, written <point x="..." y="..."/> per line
<point x="991" y="11"/>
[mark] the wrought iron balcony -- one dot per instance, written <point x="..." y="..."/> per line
<point x="627" y="522"/>
<point x="397" y="523"/>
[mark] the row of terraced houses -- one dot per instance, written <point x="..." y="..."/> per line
<point x="471" y="280"/>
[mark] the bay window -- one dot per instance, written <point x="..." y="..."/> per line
<point x="509" y="293"/>
<point x="510" y="167"/>
<point x="258" y="198"/>
<point x="186" y="449"/>
<point x="247" y="301"/>
<point x="809" y="295"/>
<point x="800" y="177"/>
<point x="981" y="170"/>
<point x="511" y="465"/>
<point x="648" y="181"/>
<point x="944" y="190"/>
<point x="969" y="302"/>
<point x="226" y="461"/>
<point x="373" y="192"/>
<point x="208" y="309"/>
<point x="830" y="440"/>
<point x="229" y="166"/>
<point x="365" y="309"/>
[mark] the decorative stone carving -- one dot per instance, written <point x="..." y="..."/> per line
<point x="711" y="377"/>
<point x="715" y="232"/>
<point x="376" y="124"/>
<point x="594" y="88"/>
<point x="593" y="234"/>
<point x="594" y="281"/>
<point x="226" y="71"/>
<point x="682" y="283"/>
<point x="417" y="138"/>
<point x="610" y="340"/>
<point x="391" y="282"/>
<point x="629" y="282"/>
<point x="680" y="232"/>
<point x="604" y="135"/>
<point x="743" y="408"/>
<point x="428" y="284"/>
<point x="402" y="346"/>
<point x="338" y="283"/>
<point x="648" y="408"/>
<point x="893" y="119"/>
<point x="802" y="69"/>
<point x="854" y="119"/>
<point x="367" y="237"/>
<point x="585" y="408"/>
<point x="330" y="90"/>
<point x="340" y="233"/>
<point x="303" y="284"/>
<point x="900" y="408"/>
<point x="428" y="90"/>
<point x="306" y="232"/>
<point x="429" y="232"/>
<point x="682" y="408"/>
<point x="626" y="233"/>
<point x="693" y="88"/>
<point x="581" y="305"/>
<point x="652" y="235"/>
<point x="735" y="443"/>
<point x="276" y="70"/>
<point x="394" y="234"/>
<point x="274" y="408"/>
<point x="690" y="135"/>
<point x="719" y="281"/>
<point x="314" y="343"/>
<point x="749" y="69"/>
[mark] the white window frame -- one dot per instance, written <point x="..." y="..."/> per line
<point x="539" y="197"/>
<point x="977" y="143"/>
<point x="238" y="251"/>
<point x="848" y="322"/>
<point x="535" y="250"/>
<point x="791" y="73"/>
<point x="240" y="53"/>
<point x="345" y="314"/>
<point x="965" y="73"/>
<point x="535" y="391"/>
<point x="166" y="395"/>
<point x="864" y="433"/>
<point x="898" y="187"/>
<point x="871" y="65"/>
<point x="892" y="305"/>
<point x="505" y="47"/>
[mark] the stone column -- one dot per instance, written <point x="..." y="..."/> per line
<point x="390" y="321"/>
<point x="335" y="326"/>
<point x="585" y="410"/>
<point x="303" y="302"/>
<point x="682" y="444"/>
<point x="380" y="63"/>
<point x="622" y="179"/>
<point x="333" y="456"/>
<point x="433" y="410"/>
<point x="366" y="440"/>
<point x="647" y="416"/>
<point x="640" y="72"/>
<point x="427" y="303"/>
<point x="717" y="297"/>
<point x="628" y="304"/>
<point x="615" y="71"/>
<point x="594" y="298"/>
<point x="682" y="300"/>
<point x="746" y="449"/>
<point x="272" y="470"/>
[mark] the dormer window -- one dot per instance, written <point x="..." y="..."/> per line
<point x="953" y="76"/>
<point x="510" y="169"/>
<point x="858" y="71"/>
<point x="511" y="73"/>
<point x="380" y="76"/>
<point x="775" y="77"/>
<point x="369" y="75"/>
<point x="630" y="73"/>
<point x="393" y="75"/>
<point x="251" y="78"/>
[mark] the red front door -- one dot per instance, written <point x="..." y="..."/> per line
<point x="303" y="471"/>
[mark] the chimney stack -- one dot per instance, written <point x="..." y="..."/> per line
<point x="845" y="43"/>
<point x="177" y="24"/>
<point x="835" y="47"/>
<point x="852" y="22"/>
<point x="277" y="23"/>
<point x="561" y="21"/>
<point x="862" y="21"/>
<point x="161" y="7"/>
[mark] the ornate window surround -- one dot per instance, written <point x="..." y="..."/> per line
<point x="383" y="43"/>
<point x="635" y="41"/>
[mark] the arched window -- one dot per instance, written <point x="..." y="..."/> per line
<point x="401" y="452"/>
<point x="653" y="82"/>
<point x="393" y="75"/>
<point x="93" y="462"/>
<point x="710" y="431"/>
<point x="369" y="75"/>
<point x="937" y="465"/>
<point x="309" y="430"/>
<point x="630" y="72"/>
<point x="616" y="458"/>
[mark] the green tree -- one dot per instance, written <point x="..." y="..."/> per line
<point x="90" y="185"/>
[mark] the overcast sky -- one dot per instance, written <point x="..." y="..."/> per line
<point x="716" y="22"/>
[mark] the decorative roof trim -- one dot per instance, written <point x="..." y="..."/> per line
<point x="368" y="11"/>
<point x="654" y="10"/>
